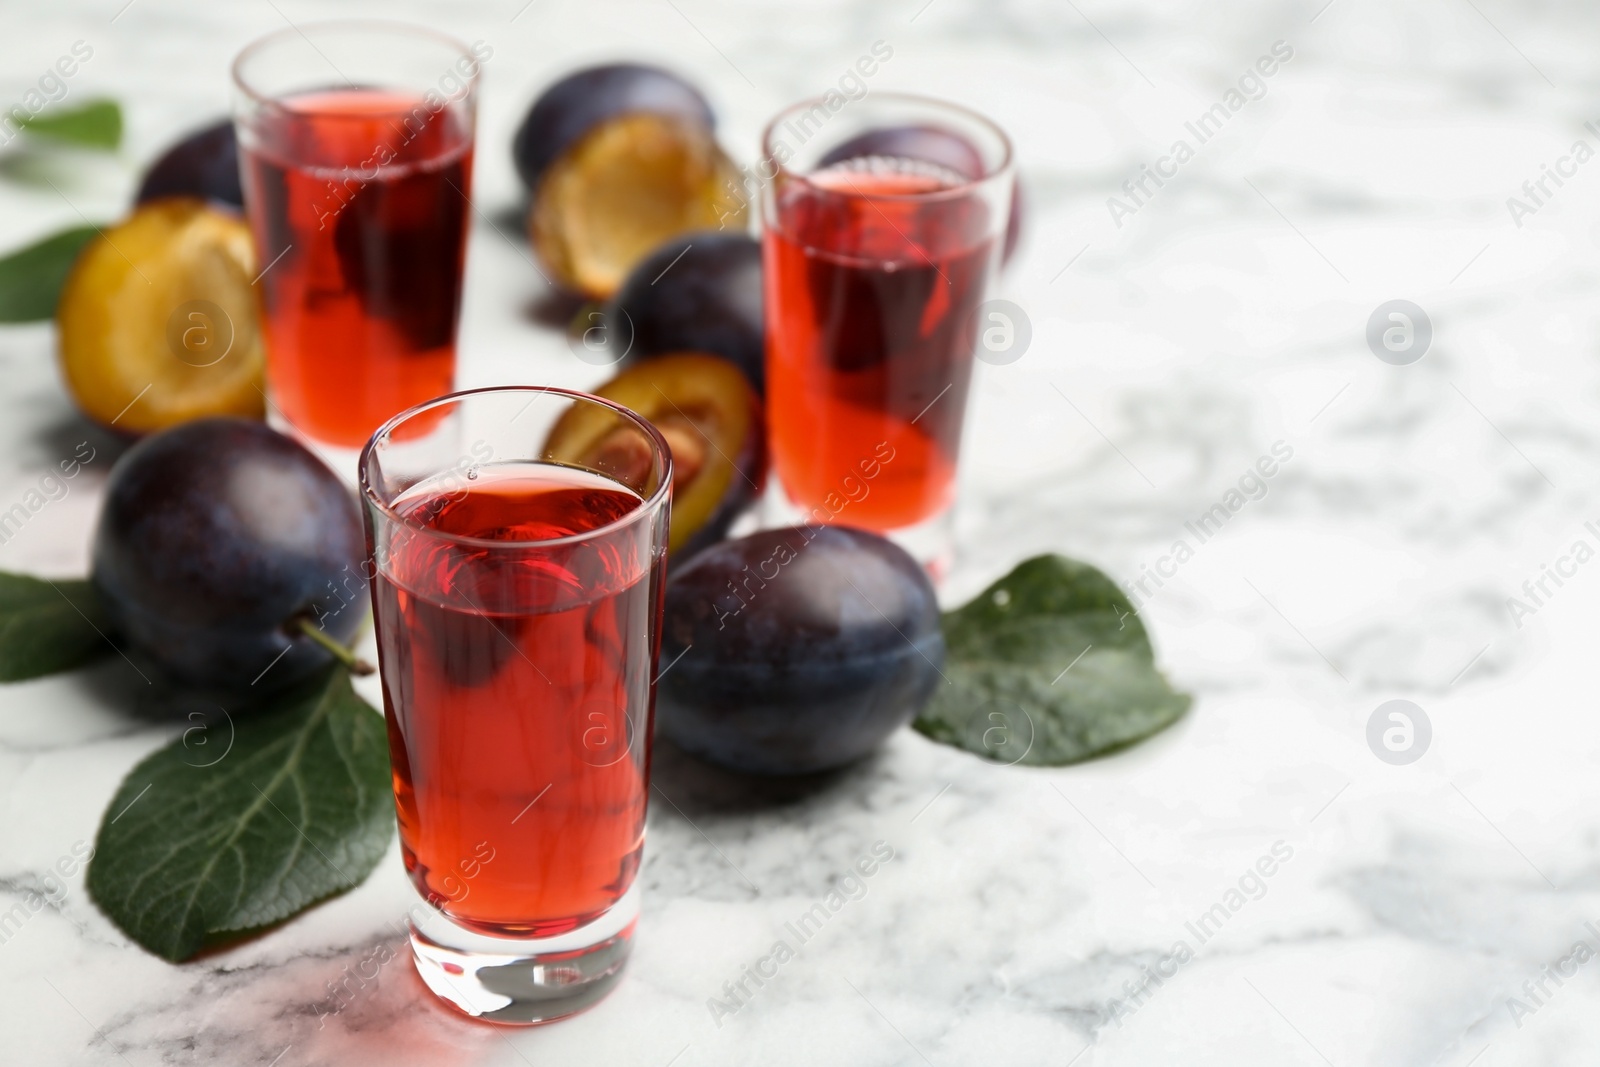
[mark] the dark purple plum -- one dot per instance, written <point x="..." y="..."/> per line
<point x="577" y="103"/>
<point x="216" y="537"/>
<point x="796" y="650"/>
<point x="205" y="164"/>
<point x="697" y="293"/>
<point x="930" y="144"/>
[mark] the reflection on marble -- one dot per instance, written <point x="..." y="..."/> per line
<point x="1025" y="911"/>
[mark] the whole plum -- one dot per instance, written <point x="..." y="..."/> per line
<point x="158" y="322"/>
<point x="217" y="537"/>
<point x="697" y="293"/>
<point x="796" y="650"/>
<point x="204" y="164"/>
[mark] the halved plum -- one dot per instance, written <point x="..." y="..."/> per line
<point x="158" y="323"/>
<point x="713" y="424"/>
<point x="930" y="144"/>
<point x="697" y="293"/>
<point x="619" y="158"/>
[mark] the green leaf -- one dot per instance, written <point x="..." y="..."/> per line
<point x="1048" y="666"/>
<point x="297" y="807"/>
<point x="31" y="279"/>
<point x="97" y="124"/>
<point x="47" y="627"/>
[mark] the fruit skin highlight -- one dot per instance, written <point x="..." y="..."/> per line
<point x="697" y="293"/>
<point x="157" y="323"/>
<point x="216" y="537"/>
<point x="619" y="158"/>
<point x="802" y="649"/>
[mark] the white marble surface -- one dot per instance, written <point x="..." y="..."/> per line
<point x="1226" y="315"/>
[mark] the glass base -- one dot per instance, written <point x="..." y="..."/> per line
<point x="931" y="542"/>
<point x="523" y="981"/>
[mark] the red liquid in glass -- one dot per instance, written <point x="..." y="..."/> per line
<point x="870" y="337"/>
<point x="519" y="691"/>
<point x="357" y="199"/>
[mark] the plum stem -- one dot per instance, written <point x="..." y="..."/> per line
<point x="355" y="663"/>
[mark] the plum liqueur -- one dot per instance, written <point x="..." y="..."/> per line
<point x="515" y="702"/>
<point x="358" y="199"/>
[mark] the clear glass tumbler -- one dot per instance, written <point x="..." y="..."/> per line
<point x="355" y="143"/>
<point x="884" y="220"/>
<point x="518" y="538"/>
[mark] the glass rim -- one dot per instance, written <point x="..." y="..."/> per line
<point x="966" y="188"/>
<point x="647" y="505"/>
<point x="303" y="32"/>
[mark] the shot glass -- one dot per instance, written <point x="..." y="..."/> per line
<point x="355" y="143"/>
<point x="517" y="591"/>
<point x="883" y="223"/>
